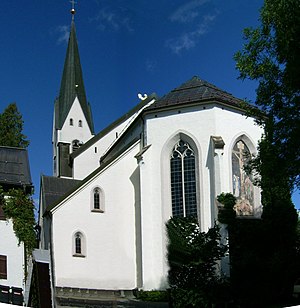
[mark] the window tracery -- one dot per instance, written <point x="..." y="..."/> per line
<point x="183" y="180"/>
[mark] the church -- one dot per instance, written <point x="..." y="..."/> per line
<point x="103" y="212"/>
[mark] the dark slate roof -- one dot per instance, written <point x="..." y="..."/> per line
<point x="14" y="167"/>
<point x="192" y="91"/>
<point x="72" y="85"/>
<point x="53" y="188"/>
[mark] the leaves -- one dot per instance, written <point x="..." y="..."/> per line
<point x="20" y="208"/>
<point x="271" y="56"/>
<point x="193" y="256"/>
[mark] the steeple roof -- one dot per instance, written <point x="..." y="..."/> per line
<point x="195" y="90"/>
<point x="72" y="85"/>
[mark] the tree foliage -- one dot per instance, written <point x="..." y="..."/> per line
<point x="20" y="208"/>
<point x="271" y="56"/>
<point x="193" y="256"/>
<point x="11" y="127"/>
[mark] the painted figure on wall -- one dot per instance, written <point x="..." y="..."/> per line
<point x="243" y="188"/>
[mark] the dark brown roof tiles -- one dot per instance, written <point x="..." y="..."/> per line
<point x="195" y="90"/>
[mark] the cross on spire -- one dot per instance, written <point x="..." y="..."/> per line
<point x="73" y="2"/>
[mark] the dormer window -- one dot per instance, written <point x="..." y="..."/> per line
<point x="71" y="122"/>
<point x="80" y="123"/>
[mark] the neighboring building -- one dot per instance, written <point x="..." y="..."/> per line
<point x="103" y="213"/>
<point x="14" y="173"/>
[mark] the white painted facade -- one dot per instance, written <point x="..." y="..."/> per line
<point x="75" y="128"/>
<point x="121" y="244"/>
<point x="108" y="260"/>
<point x="14" y="253"/>
<point x="99" y="147"/>
<point x="125" y="245"/>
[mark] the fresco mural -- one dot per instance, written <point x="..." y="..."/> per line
<point x="243" y="188"/>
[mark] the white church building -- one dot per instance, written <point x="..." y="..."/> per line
<point x="103" y="212"/>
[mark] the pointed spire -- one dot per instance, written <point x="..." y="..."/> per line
<point x="72" y="85"/>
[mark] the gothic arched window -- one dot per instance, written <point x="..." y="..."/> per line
<point x="79" y="245"/>
<point x="80" y="123"/>
<point x="96" y="199"/>
<point x="183" y="180"/>
<point x="71" y="122"/>
<point x="243" y="188"/>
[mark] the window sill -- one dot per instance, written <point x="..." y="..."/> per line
<point x="97" y="211"/>
<point x="78" y="255"/>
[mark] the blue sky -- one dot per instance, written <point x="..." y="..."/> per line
<point x="126" y="48"/>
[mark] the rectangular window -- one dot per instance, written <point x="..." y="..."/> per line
<point x="2" y="216"/>
<point x="3" y="267"/>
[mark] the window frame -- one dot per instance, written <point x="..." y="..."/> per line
<point x="3" y="267"/>
<point x="257" y="209"/>
<point x="79" y="235"/>
<point x="101" y="200"/>
<point x="2" y="215"/>
<point x="180" y="155"/>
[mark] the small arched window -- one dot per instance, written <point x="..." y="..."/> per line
<point x="80" y="123"/>
<point x="75" y="145"/>
<point x="97" y="200"/>
<point x="78" y="245"/>
<point x="71" y="122"/>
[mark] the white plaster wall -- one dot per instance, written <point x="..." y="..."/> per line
<point x="68" y="133"/>
<point x="162" y="132"/>
<point x="95" y="151"/>
<point x="230" y="126"/>
<point x="15" y="255"/>
<point x="110" y="261"/>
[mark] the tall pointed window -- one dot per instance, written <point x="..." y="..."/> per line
<point x="243" y="188"/>
<point x="80" y="123"/>
<point x="97" y="199"/>
<point x="183" y="180"/>
<point x="71" y="122"/>
<point x="79" y="245"/>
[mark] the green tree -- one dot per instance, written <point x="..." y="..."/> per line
<point x="193" y="257"/>
<point x="11" y="127"/>
<point x="271" y="56"/>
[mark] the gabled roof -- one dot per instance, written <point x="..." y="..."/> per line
<point x="72" y="85"/>
<point x="53" y="188"/>
<point x="192" y="91"/>
<point x="14" y="167"/>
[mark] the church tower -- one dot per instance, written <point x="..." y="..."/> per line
<point x="73" y="123"/>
